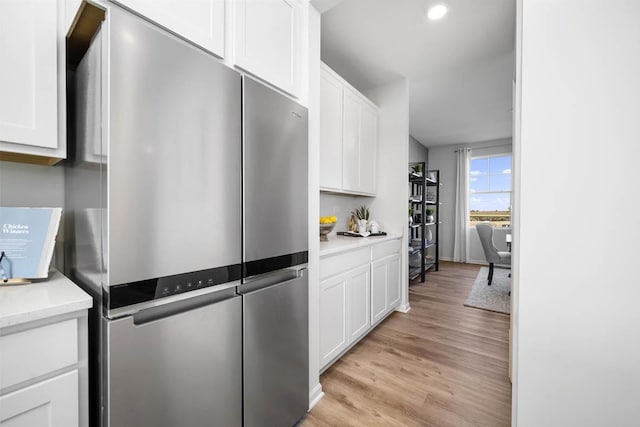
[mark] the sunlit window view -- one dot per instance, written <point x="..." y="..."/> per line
<point x="490" y="190"/>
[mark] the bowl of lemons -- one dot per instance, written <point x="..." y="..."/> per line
<point x="326" y="226"/>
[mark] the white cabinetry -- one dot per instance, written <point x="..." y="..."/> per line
<point x="262" y="37"/>
<point x="268" y="41"/>
<point x="355" y="293"/>
<point x="359" y="285"/>
<point x="32" y="81"/>
<point x="368" y="149"/>
<point x="348" y="137"/>
<point x="43" y="354"/>
<point x="385" y="279"/>
<point x="50" y="403"/>
<point x="200" y="21"/>
<point x="31" y="360"/>
<point x="344" y="302"/>
<point x="333" y="318"/>
<point x="330" y="131"/>
<point x="385" y="286"/>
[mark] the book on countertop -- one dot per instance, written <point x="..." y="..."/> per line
<point x="27" y="240"/>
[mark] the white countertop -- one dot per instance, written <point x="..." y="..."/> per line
<point x="337" y="244"/>
<point x="38" y="300"/>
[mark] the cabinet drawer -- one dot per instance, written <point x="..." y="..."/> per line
<point x="50" y="403"/>
<point x="34" y="352"/>
<point x="338" y="263"/>
<point x="382" y="250"/>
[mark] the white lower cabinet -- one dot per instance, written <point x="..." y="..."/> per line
<point x="385" y="286"/>
<point x="356" y="293"/>
<point x="358" y="303"/>
<point x="344" y="311"/>
<point x="43" y="373"/>
<point x="44" y="354"/>
<point x="50" y="403"/>
<point x="333" y="318"/>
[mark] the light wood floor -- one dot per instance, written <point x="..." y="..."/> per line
<point x="442" y="364"/>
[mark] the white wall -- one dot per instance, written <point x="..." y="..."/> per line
<point x="341" y="205"/>
<point x="417" y="151"/>
<point x="390" y="205"/>
<point x="443" y="158"/>
<point x="577" y="284"/>
<point x="28" y="185"/>
<point x="34" y="186"/>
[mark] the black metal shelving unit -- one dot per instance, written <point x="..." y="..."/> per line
<point x="425" y="194"/>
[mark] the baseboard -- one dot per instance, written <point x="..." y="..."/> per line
<point x="446" y="258"/>
<point x="403" y="308"/>
<point x="315" y="395"/>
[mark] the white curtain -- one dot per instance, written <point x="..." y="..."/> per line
<point x="460" y="233"/>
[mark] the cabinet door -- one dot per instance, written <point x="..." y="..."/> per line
<point x="330" y="132"/>
<point x="359" y="305"/>
<point x="267" y="42"/>
<point x="199" y="21"/>
<point x="333" y="318"/>
<point x="29" y="77"/>
<point x="368" y="148"/>
<point x="351" y="142"/>
<point x="393" y="282"/>
<point x="378" y="289"/>
<point x="50" y="403"/>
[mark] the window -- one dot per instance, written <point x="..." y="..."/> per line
<point x="490" y="190"/>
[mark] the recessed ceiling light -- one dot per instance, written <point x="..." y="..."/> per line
<point x="437" y="11"/>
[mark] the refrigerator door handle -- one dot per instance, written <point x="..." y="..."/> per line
<point x="161" y="312"/>
<point x="271" y="279"/>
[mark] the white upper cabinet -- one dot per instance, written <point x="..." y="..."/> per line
<point x="331" y="132"/>
<point x="368" y="149"/>
<point x="348" y="137"/>
<point x="199" y="21"/>
<point x="32" y="81"/>
<point x="268" y="41"/>
<point x="351" y="142"/>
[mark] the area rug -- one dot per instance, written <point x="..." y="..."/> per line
<point x="495" y="297"/>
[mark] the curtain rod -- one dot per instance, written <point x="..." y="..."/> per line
<point x="488" y="146"/>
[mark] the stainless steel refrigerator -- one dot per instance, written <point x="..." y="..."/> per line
<point x="153" y="226"/>
<point x="275" y="252"/>
<point x="186" y="219"/>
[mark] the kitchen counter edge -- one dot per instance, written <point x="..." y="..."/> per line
<point x="40" y="300"/>
<point x="338" y="244"/>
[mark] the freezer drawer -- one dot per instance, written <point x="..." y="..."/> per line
<point x="276" y="354"/>
<point x="169" y="367"/>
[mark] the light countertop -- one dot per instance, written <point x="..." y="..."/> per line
<point x="337" y="244"/>
<point x="44" y="298"/>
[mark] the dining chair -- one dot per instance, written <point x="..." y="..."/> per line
<point x="491" y="253"/>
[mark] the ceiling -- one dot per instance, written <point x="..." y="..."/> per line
<point x="459" y="68"/>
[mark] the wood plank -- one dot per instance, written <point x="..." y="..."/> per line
<point x="442" y="364"/>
